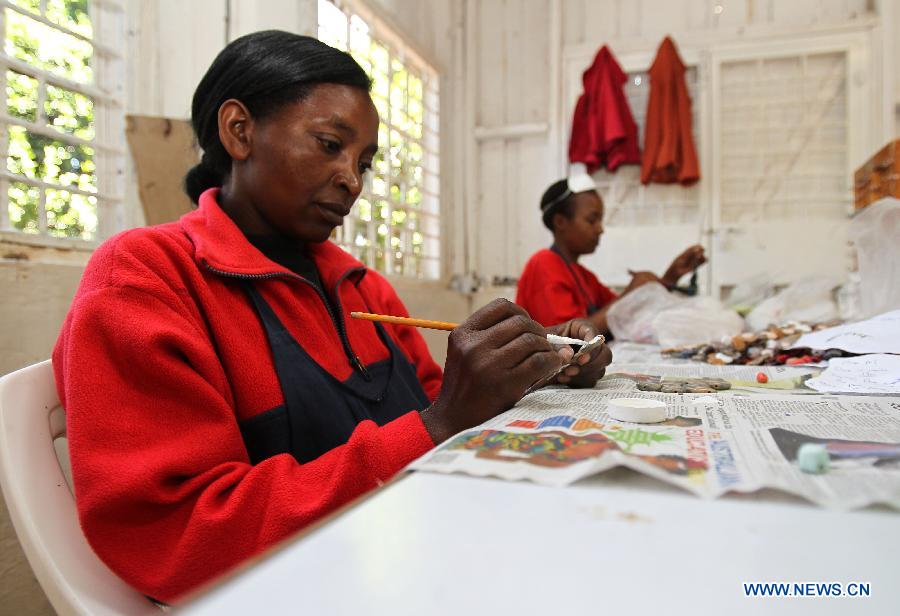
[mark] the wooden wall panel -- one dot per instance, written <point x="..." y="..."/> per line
<point x="513" y="199"/>
<point x="490" y="217"/>
<point x="534" y="68"/>
<point x="734" y="13"/>
<point x="596" y="21"/>
<point x="190" y="35"/>
<point x="601" y="18"/>
<point x="798" y="12"/>
<point x="573" y="18"/>
<point x="698" y="14"/>
<point x="516" y="59"/>
<point x="534" y="155"/>
<point x="630" y="21"/>
<point x="247" y="16"/>
<point x="492" y="57"/>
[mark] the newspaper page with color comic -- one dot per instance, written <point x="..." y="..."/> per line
<point x="722" y="443"/>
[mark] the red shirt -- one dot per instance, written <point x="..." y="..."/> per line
<point x="161" y="357"/>
<point x="553" y="292"/>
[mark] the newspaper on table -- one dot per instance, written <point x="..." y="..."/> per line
<point x="724" y="443"/>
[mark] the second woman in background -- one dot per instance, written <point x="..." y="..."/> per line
<point x="554" y="287"/>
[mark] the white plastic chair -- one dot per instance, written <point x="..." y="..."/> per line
<point x="42" y="507"/>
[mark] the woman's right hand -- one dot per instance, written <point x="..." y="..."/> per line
<point x="493" y="357"/>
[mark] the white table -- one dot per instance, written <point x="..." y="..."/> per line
<point x="614" y="544"/>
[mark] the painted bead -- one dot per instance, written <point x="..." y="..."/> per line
<point x="813" y="458"/>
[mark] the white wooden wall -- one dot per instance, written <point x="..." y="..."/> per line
<point x="522" y="52"/>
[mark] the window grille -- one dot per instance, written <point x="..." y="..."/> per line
<point x="784" y="138"/>
<point x="62" y="127"/>
<point x="394" y="226"/>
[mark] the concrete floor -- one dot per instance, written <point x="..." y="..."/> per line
<point x="20" y="593"/>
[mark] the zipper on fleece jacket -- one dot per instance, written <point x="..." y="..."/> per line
<point x="339" y="321"/>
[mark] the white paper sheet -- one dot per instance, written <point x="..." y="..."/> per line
<point x="866" y="374"/>
<point x="879" y="334"/>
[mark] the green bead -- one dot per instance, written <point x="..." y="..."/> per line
<point x="813" y="458"/>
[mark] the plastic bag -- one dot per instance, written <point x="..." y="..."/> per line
<point x="848" y="299"/>
<point x="810" y="300"/>
<point x="699" y="319"/>
<point x="749" y="293"/>
<point x="631" y="317"/>
<point x="651" y="314"/>
<point x="874" y="232"/>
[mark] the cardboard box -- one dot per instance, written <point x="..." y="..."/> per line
<point x="163" y="150"/>
<point x="878" y="177"/>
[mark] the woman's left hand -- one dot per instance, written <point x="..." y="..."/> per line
<point x="686" y="262"/>
<point x="589" y="368"/>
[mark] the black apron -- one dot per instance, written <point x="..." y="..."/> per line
<point x="319" y="412"/>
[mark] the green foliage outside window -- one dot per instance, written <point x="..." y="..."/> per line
<point x="40" y="157"/>
<point x="386" y="223"/>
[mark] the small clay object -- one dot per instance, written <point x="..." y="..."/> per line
<point x="698" y="389"/>
<point x="637" y="410"/>
<point x="648" y="386"/>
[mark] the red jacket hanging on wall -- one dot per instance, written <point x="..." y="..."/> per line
<point x="603" y="129"/>
<point x="669" y="153"/>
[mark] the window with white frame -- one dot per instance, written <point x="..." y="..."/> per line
<point x="63" y="120"/>
<point x="394" y="226"/>
<point x="784" y="138"/>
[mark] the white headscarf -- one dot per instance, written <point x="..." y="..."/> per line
<point x="577" y="182"/>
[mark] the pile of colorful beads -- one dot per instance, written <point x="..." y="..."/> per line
<point x="768" y="347"/>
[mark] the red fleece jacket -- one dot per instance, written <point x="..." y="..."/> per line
<point x="603" y="130"/>
<point x="158" y="360"/>
<point x="548" y="290"/>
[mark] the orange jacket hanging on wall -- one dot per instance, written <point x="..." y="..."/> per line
<point x="603" y="129"/>
<point x="669" y="153"/>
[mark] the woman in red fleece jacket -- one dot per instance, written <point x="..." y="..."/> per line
<point x="554" y="287"/>
<point x="218" y="398"/>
